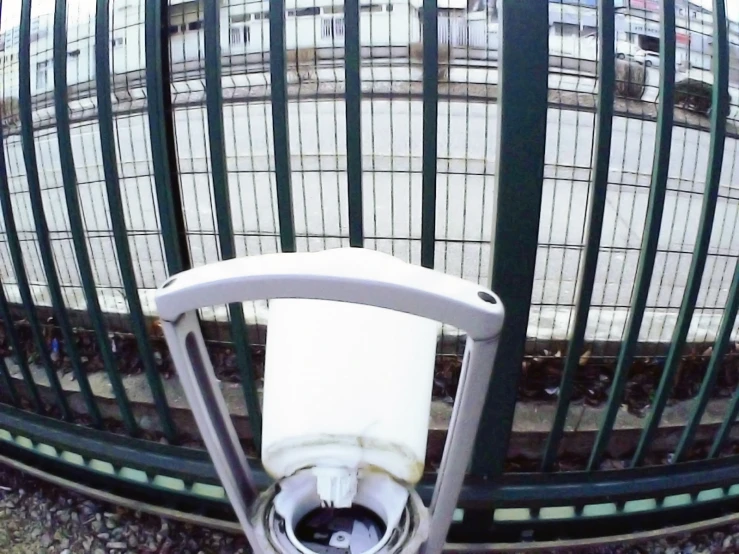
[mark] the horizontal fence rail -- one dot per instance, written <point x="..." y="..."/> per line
<point x="585" y="171"/>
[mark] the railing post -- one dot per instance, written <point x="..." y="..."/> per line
<point x="161" y="129"/>
<point x="76" y="225"/>
<point x="601" y="160"/>
<point x="650" y="240"/>
<point x="522" y="116"/>
<point x="719" y="113"/>
<point x="42" y="228"/>
<point x="9" y="386"/>
<point x="280" y="129"/>
<point x="27" y="299"/>
<point x="430" y="138"/>
<point x="353" y="101"/>
<point x="214" y="107"/>
<point x="115" y="202"/>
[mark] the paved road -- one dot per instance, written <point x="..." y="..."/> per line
<point x="392" y="147"/>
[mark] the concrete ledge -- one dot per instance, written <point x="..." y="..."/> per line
<point x="532" y="420"/>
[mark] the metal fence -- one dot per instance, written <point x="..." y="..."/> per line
<point x="140" y="139"/>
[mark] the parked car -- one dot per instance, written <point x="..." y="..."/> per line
<point x="651" y="59"/>
<point x="626" y="50"/>
<point x="647" y="58"/>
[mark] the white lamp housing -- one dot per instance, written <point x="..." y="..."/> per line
<point x="348" y="375"/>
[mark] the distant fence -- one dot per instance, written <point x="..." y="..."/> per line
<point x="607" y="225"/>
<point x="462" y="31"/>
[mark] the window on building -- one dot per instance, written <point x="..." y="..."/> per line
<point x="332" y="28"/>
<point x="185" y="16"/>
<point x="648" y="43"/>
<point x="240" y="35"/>
<point x="369" y="8"/>
<point x="74" y="53"/>
<point x="42" y="72"/>
<point x="566" y="29"/>
<point x="241" y="18"/>
<point x="587" y="31"/>
<point x="301" y="12"/>
<point x="117" y="41"/>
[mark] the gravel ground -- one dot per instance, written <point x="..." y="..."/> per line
<point x="38" y="518"/>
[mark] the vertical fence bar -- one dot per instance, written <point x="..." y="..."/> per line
<point x="15" y="343"/>
<point x="650" y="240"/>
<point x="118" y="222"/>
<point x="20" y="272"/>
<point x="8" y="382"/>
<point x="719" y="113"/>
<point x="601" y="160"/>
<point x="42" y="229"/>
<point x="352" y="64"/>
<point x="161" y="130"/>
<point x="9" y="385"/>
<point x="723" y="433"/>
<point x="76" y="226"/>
<point x="522" y="116"/>
<point x="280" y="132"/>
<point x="709" y="381"/>
<point x="726" y="425"/>
<point x="214" y="105"/>
<point x="430" y="121"/>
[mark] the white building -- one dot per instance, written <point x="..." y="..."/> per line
<point x="638" y="23"/>
<point x="244" y="30"/>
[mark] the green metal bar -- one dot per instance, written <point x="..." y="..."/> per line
<point x="522" y="116"/>
<point x="118" y="222"/>
<point x="601" y="161"/>
<point x="42" y="229"/>
<point x="18" y="351"/>
<point x="726" y="425"/>
<point x="280" y="130"/>
<point x="214" y="106"/>
<point x="511" y="490"/>
<point x="4" y="373"/>
<point x="719" y="113"/>
<point x="164" y="154"/>
<point x="20" y="273"/>
<point x="352" y="63"/>
<point x="430" y="121"/>
<point x="76" y="225"/>
<point x="8" y="383"/>
<point x="662" y="147"/>
<point x="709" y="381"/>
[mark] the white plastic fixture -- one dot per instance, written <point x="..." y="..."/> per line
<point x="348" y="375"/>
<point x="346" y="386"/>
<point x="376" y="491"/>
